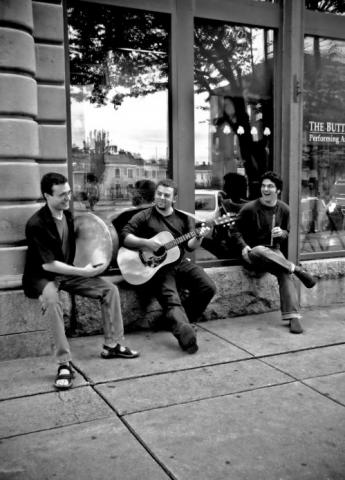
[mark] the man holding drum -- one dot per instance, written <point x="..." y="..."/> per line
<point x="49" y="268"/>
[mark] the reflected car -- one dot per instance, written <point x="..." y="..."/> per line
<point x="208" y="203"/>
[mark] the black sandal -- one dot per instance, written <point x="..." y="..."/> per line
<point x="118" y="351"/>
<point x="64" y="376"/>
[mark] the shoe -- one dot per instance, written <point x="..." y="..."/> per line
<point x="305" y="277"/>
<point x="186" y="337"/>
<point x="192" y="348"/>
<point x="119" y="351"/>
<point x="295" y="326"/>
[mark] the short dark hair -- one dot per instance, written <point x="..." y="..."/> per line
<point x="144" y="192"/>
<point x="49" y="180"/>
<point x="276" y="179"/>
<point x="168" y="182"/>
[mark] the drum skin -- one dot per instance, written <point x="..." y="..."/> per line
<point x="94" y="242"/>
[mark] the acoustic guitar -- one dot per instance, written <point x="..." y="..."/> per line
<point x="139" y="266"/>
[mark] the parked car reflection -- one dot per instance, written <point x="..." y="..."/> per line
<point x="208" y="203"/>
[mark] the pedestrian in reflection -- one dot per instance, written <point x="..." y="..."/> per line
<point x="142" y="197"/>
<point x="222" y="243"/>
<point x="262" y="230"/>
<point x="92" y="191"/>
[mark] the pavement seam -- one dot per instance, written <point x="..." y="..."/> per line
<point x="303" y="381"/>
<point x="188" y="402"/>
<point x="58" y="427"/>
<point x="135" y="435"/>
<point x="272" y="354"/>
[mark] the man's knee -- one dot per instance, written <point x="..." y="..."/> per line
<point x="50" y="294"/>
<point x="259" y="251"/>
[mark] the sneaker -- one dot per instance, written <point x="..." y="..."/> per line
<point x="295" y="326"/>
<point x="119" y="351"/>
<point x="305" y="277"/>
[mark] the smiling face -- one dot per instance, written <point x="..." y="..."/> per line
<point x="269" y="193"/>
<point x="59" y="199"/>
<point x="164" y="199"/>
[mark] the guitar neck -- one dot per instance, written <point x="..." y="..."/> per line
<point x="229" y="218"/>
<point x="179" y="240"/>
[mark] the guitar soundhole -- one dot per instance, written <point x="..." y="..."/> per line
<point x="153" y="259"/>
<point x="161" y="251"/>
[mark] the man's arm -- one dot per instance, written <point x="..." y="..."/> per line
<point x="62" y="268"/>
<point x="134" y="242"/>
<point x="40" y="239"/>
<point x="196" y="241"/>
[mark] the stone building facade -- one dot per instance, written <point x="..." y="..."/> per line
<point x="34" y="139"/>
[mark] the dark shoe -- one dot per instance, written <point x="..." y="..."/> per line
<point x="66" y="373"/>
<point x="295" y="326"/>
<point x="119" y="351"/>
<point x="186" y="336"/>
<point x="305" y="277"/>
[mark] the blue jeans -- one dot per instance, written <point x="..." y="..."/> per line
<point x="272" y="260"/>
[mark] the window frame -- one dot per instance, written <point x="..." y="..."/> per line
<point x="291" y="21"/>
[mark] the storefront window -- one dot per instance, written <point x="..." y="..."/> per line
<point x="326" y="6"/>
<point x="322" y="219"/>
<point x="119" y="103"/>
<point x="233" y="121"/>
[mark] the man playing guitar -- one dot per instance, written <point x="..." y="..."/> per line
<point x="143" y="233"/>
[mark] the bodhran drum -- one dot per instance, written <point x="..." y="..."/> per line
<point x="93" y="241"/>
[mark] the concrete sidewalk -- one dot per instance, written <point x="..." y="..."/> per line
<point x="255" y="402"/>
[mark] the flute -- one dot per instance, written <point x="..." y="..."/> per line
<point x="273" y="225"/>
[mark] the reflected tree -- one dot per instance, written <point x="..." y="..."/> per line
<point x="118" y="52"/>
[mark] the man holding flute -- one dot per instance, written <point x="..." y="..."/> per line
<point x="262" y="231"/>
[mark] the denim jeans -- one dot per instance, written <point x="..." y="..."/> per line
<point x="272" y="260"/>
<point x="184" y="275"/>
<point x="93" y="287"/>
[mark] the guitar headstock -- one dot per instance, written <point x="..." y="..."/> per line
<point x="228" y="218"/>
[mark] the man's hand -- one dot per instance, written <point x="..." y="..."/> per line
<point x="203" y="231"/>
<point x="277" y="232"/>
<point x="153" y="244"/>
<point x="245" y="255"/>
<point x="92" y="271"/>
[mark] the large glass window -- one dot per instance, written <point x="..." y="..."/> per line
<point x="322" y="219"/>
<point x="233" y="121"/>
<point x="119" y="103"/>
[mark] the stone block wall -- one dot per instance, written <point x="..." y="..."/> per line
<point x="23" y="332"/>
<point x="32" y="119"/>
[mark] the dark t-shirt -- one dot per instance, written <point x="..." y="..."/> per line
<point x="62" y="228"/>
<point x="149" y="222"/>
<point x="254" y="224"/>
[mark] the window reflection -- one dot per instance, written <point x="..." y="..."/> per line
<point x="322" y="219"/>
<point x="326" y="6"/>
<point x="233" y="86"/>
<point x="119" y="103"/>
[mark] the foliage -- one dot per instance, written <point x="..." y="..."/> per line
<point x="116" y="47"/>
<point x="119" y="52"/>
